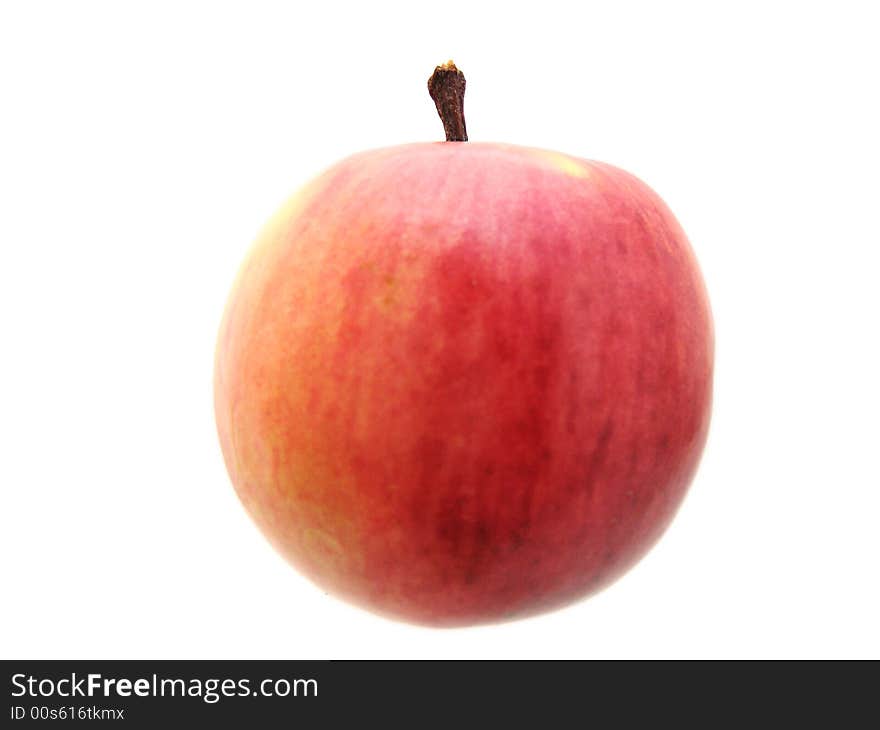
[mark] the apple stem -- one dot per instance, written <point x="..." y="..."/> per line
<point x="446" y="87"/>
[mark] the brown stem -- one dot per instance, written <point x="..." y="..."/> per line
<point x="446" y="87"/>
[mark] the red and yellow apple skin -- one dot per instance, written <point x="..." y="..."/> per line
<point x="460" y="383"/>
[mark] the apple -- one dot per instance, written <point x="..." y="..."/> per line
<point x="460" y="383"/>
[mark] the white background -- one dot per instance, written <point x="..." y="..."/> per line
<point x="142" y="145"/>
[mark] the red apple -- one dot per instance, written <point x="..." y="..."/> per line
<point x="460" y="383"/>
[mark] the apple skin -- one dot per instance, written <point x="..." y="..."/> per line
<point x="460" y="383"/>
